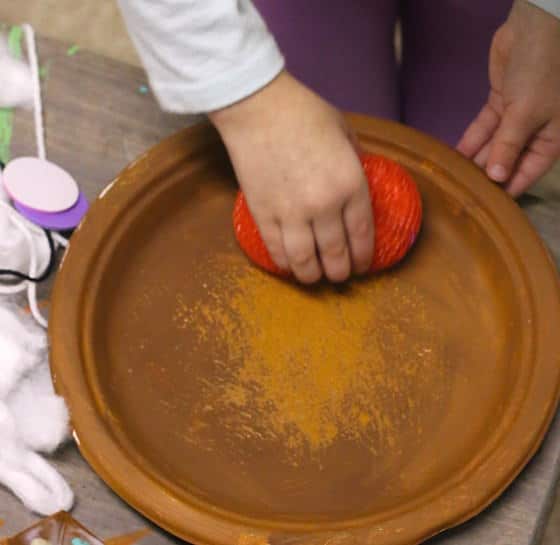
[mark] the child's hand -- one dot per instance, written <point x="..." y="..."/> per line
<point x="296" y="163"/>
<point x="516" y="136"/>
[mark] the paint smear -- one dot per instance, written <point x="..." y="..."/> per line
<point x="72" y="50"/>
<point x="128" y="539"/>
<point x="44" y="70"/>
<point x="43" y="303"/>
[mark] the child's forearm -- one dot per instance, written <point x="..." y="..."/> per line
<point x="202" y="55"/>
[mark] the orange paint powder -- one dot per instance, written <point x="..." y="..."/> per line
<point x="312" y="366"/>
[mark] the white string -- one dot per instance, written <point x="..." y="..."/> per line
<point x="57" y="237"/>
<point x="40" y="137"/>
<point x="36" y="82"/>
<point x="32" y="297"/>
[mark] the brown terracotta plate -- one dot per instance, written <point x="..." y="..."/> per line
<point x="234" y="408"/>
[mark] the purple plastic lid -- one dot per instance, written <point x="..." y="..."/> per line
<point x="58" y="221"/>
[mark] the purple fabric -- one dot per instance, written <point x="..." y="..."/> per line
<point x="444" y="77"/>
<point x="59" y="221"/>
<point x="343" y="49"/>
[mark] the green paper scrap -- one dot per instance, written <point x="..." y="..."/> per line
<point x="143" y="89"/>
<point x="72" y="50"/>
<point x="14" y="41"/>
<point x="6" y="114"/>
<point x="44" y="70"/>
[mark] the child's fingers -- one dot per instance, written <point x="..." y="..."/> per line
<point x="481" y="158"/>
<point x="479" y="132"/>
<point x="299" y="243"/>
<point x="358" y="220"/>
<point x="332" y="245"/>
<point x="531" y="167"/>
<point x="516" y="129"/>
<point x="353" y="138"/>
<point x="272" y="237"/>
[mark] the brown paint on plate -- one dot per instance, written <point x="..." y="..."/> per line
<point x="129" y="539"/>
<point x="232" y="407"/>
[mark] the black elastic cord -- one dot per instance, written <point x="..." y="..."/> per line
<point x="45" y="274"/>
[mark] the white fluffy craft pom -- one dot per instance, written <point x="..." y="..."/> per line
<point x="14" y="249"/>
<point x="32" y="417"/>
<point x="16" y="88"/>
<point x="23" y="346"/>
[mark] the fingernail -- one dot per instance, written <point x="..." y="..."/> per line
<point x="497" y="173"/>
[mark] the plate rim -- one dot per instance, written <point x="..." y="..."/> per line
<point x="92" y="435"/>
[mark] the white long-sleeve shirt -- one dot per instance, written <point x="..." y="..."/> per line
<point x="552" y="6"/>
<point x="202" y="55"/>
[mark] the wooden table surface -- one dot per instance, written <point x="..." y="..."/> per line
<point x="97" y="121"/>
